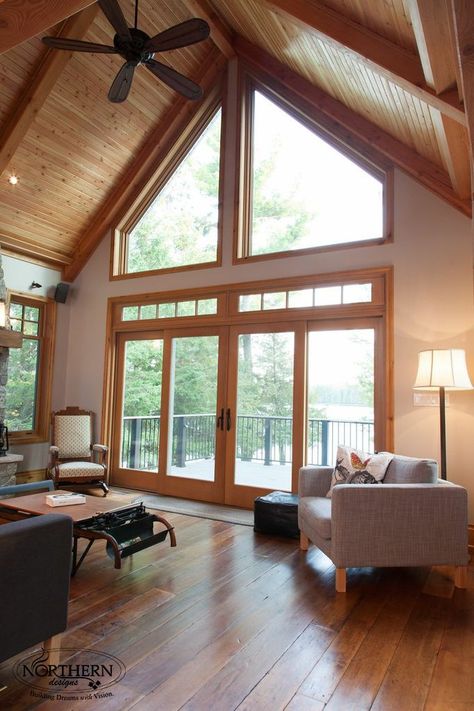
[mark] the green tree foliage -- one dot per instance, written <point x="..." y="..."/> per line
<point x="143" y="374"/>
<point x="280" y="219"/>
<point x="180" y="226"/>
<point x="21" y="388"/>
<point x="195" y="375"/>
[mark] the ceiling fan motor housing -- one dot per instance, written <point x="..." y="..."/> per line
<point x="133" y="51"/>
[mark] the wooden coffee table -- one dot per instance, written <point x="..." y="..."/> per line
<point x="126" y="529"/>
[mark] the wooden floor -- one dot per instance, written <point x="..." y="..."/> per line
<point x="232" y="619"/>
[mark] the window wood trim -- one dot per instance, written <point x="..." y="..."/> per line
<point x="250" y="79"/>
<point x="171" y="159"/>
<point x="45" y="368"/>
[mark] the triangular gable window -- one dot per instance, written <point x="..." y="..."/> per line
<point x="179" y="227"/>
<point x="304" y="192"/>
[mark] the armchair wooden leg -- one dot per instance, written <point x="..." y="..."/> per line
<point x="341" y="580"/>
<point x="460" y="576"/>
<point x="304" y="542"/>
<point x="53" y="647"/>
<point x="105" y="488"/>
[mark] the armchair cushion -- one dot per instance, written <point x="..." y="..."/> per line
<point x="410" y="470"/>
<point x="314" y="512"/>
<point x="356" y="467"/>
<point x="85" y="469"/>
<point x="72" y="434"/>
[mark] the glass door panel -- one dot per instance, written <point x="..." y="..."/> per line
<point x="264" y="408"/>
<point x="340" y="392"/>
<point x="193" y="406"/>
<point x="141" y="404"/>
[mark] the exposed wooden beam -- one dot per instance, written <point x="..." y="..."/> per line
<point x="220" y="35"/>
<point x="144" y="165"/>
<point x="338" y="119"/>
<point x="395" y="63"/>
<point x="19" y="21"/>
<point x="463" y="22"/>
<point x="39" y="87"/>
<point x="17" y="247"/>
<point x="430" y="21"/>
<point x="453" y="144"/>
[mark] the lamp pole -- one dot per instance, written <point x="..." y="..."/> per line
<point x="442" y="423"/>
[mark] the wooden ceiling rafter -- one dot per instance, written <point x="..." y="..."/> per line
<point x="21" y="21"/>
<point x="17" y="246"/>
<point x="463" y="23"/>
<point x="220" y="35"/>
<point x="143" y="167"/>
<point x="432" y="30"/>
<point x="338" y="118"/>
<point x="395" y="63"/>
<point x="39" y="87"/>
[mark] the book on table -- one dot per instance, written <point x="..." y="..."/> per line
<point x="65" y="499"/>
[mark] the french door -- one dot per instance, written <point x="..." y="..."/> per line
<point x="229" y="413"/>
<point x="168" y="433"/>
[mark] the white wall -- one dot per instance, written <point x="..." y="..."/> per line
<point x="432" y="257"/>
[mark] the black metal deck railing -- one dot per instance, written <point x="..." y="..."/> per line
<point x="259" y="438"/>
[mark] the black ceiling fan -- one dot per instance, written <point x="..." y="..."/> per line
<point x="136" y="47"/>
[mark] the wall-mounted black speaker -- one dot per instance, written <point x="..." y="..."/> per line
<point x="61" y="292"/>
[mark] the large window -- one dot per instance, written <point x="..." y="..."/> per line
<point x="300" y="191"/>
<point x="178" y="227"/>
<point x="29" y="369"/>
<point x="227" y="404"/>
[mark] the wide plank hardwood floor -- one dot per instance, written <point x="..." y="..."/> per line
<point x="230" y="619"/>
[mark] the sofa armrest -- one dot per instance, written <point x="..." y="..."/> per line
<point x="399" y="524"/>
<point x="34" y="601"/>
<point x="314" y="481"/>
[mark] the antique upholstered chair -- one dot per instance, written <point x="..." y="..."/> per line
<point x="410" y="519"/>
<point x="74" y="459"/>
<point x="35" y="565"/>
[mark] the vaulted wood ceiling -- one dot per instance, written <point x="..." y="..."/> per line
<point x="398" y="74"/>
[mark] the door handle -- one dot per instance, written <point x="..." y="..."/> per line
<point x="228" y="420"/>
<point x="220" y="420"/>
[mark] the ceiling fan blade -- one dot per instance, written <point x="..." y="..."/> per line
<point x="181" y="35"/>
<point x="114" y="14"/>
<point x="120" y="88"/>
<point x="175" y="80"/>
<point x="77" y="45"/>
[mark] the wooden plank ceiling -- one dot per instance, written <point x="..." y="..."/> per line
<point x="390" y="68"/>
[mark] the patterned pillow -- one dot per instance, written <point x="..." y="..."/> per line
<point x="356" y="467"/>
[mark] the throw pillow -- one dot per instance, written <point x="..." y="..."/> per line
<point x="356" y="467"/>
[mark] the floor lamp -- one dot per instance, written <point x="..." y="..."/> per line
<point x="441" y="370"/>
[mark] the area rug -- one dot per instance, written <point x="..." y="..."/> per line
<point x="200" y="509"/>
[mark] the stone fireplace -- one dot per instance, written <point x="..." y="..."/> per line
<point x="8" y="339"/>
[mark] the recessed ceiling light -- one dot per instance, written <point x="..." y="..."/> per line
<point x="13" y="179"/>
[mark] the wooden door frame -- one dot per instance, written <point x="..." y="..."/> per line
<point x="160" y="481"/>
<point x="244" y="495"/>
<point x="187" y="487"/>
<point x="119" y="476"/>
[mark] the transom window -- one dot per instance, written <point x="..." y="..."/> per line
<point x="306" y="297"/>
<point x="170" y="309"/>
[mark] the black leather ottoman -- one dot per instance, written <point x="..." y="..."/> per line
<point x="277" y="513"/>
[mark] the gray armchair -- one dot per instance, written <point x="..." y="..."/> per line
<point x="35" y="566"/>
<point x="411" y="519"/>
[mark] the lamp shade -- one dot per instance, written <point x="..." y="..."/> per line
<point x="442" y="368"/>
